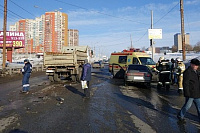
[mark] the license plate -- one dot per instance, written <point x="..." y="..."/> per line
<point x="139" y="78"/>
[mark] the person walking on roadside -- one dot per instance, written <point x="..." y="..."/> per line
<point x="26" y="71"/>
<point x="86" y="76"/>
<point x="191" y="89"/>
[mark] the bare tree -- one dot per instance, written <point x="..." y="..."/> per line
<point x="174" y="49"/>
<point x="197" y="47"/>
<point x="188" y="47"/>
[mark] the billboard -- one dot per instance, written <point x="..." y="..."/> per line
<point x="155" y="33"/>
<point x="14" y="39"/>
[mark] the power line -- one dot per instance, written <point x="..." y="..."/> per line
<point x="14" y="17"/>
<point x="142" y="36"/>
<point x="158" y="21"/>
<point x="113" y="44"/>
<point x="101" y="13"/>
<point x="22" y="8"/>
<point x="13" y="12"/>
<point x="167" y="13"/>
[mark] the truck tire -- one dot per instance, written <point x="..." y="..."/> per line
<point x="78" y="76"/>
<point x="73" y="77"/>
<point x="51" y="78"/>
<point x="56" y="77"/>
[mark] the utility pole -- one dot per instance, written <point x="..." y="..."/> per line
<point x="151" y="40"/>
<point x="131" y="42"/>
<point x="182" y="30"/>
<point x="4" y="35"/>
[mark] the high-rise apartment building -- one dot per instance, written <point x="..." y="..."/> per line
<point x="73" y="37"/>
<point x="178" y="40"/>
<point x="47" y="33"/>
<point x="56" y="31"/>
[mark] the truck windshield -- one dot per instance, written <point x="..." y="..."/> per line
<point x="147" y="61"/>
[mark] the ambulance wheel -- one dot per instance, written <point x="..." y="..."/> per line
<point x="159" y="86"/>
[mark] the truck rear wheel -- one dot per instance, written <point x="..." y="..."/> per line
<point x="51" y="78"/>
<point x="73" y="77"/>
<point x="56" y="77"/>
<point x="78" y="76"/>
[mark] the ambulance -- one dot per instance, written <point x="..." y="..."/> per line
<point x="119" y="61"/>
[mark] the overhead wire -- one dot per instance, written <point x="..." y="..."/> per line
<point x="14" y="19"/>
<point x="158" y="21"/>
<point x="13" y="12"/>
<point x="123" y="18"/>
<point x="167" y="13"/>
<point x="96" y="12"/>
<point x="22" y="8"/>
<point x="101" y="12"/>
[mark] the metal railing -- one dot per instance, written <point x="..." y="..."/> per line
<point x="17" y="70"/>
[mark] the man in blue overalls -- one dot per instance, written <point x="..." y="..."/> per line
<point x="26" y="71"/>
<point x="86" y="76"/>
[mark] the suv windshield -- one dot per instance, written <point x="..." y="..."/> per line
<point x="147" y="61"/>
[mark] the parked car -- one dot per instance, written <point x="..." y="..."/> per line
<point x="105" y="63"/>
<point x="137" y="74"/>
<point x="96" y="64"/>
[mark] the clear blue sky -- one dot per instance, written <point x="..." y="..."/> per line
<point x="108" y="24"/>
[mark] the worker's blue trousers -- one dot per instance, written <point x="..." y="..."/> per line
<point x="25" y="82"/>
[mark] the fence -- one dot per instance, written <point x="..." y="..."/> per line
<point x="17" y="69"/>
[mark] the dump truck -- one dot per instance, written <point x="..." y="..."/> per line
<point x="66" y="64"/>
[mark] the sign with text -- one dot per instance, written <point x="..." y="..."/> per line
<point x="155" y="33"/>
<point x="14" y="39"/>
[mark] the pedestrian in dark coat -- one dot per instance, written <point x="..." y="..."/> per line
<point x="26" y="71"/>
<point x="86" y="76"/>
<point x="191" y="89"/>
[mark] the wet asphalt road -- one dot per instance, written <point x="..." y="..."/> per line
<point x="111" y="108"/>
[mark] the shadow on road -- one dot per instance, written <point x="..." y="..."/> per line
<point x="165" y="109"/>
<point x="74" y="90"/>
<point x="137" y="101"/>
<point x="17" y="131"/>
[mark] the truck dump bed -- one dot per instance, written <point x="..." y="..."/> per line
<point x="69" y="56"/>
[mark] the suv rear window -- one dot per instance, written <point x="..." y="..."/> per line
<point x="138" y="68"/>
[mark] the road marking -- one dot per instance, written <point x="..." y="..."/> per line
<point x="141" y="125"/>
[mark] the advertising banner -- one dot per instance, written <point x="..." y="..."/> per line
<point x="14" y="39"/>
